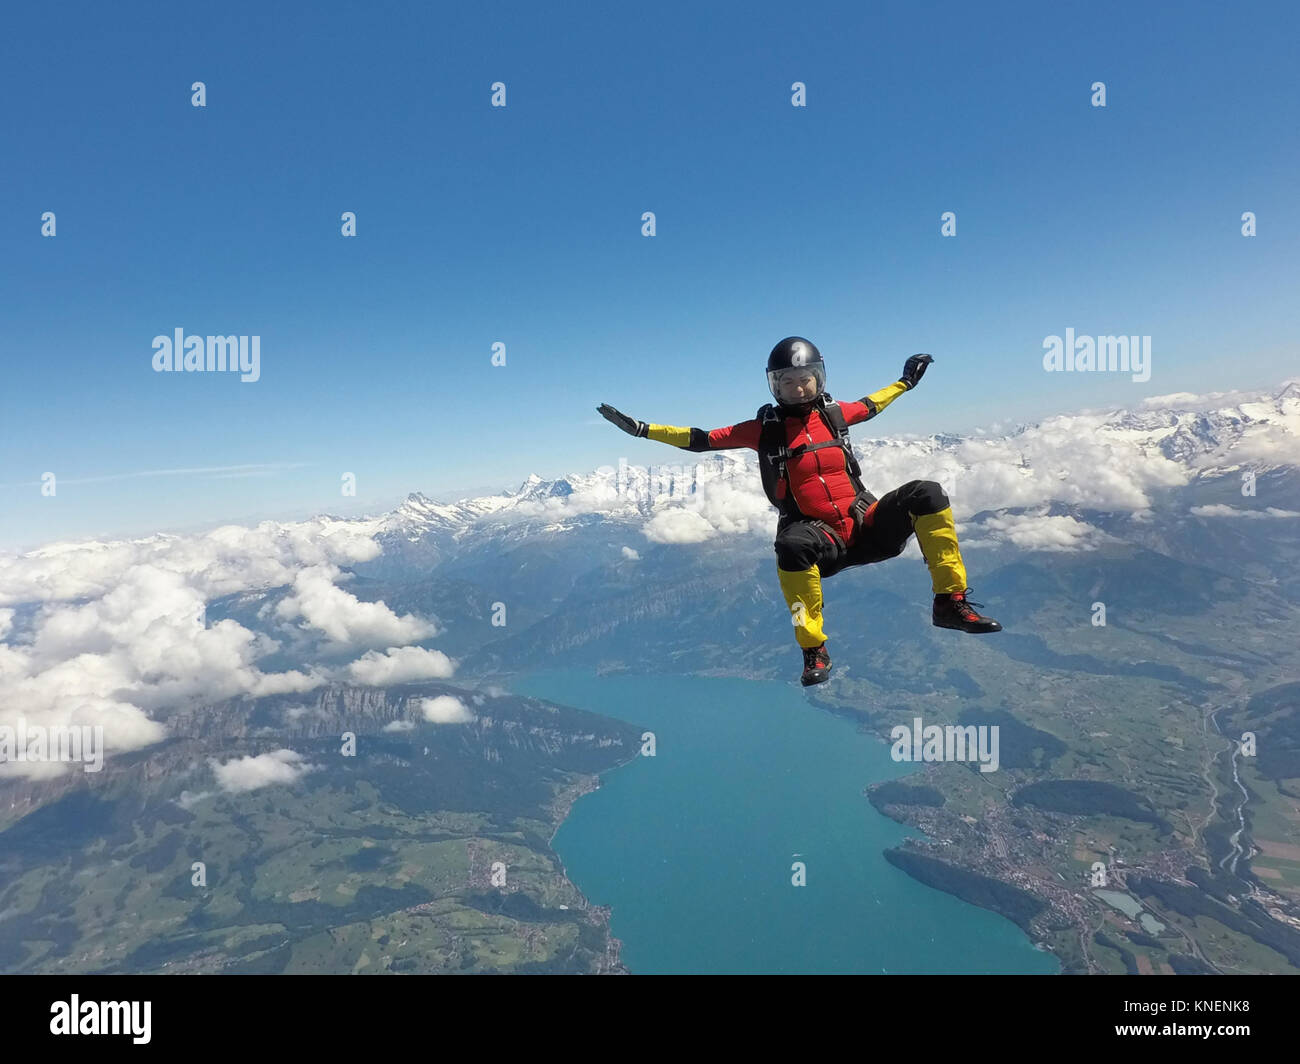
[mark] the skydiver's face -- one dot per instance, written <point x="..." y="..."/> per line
<point x="798" y="387"/>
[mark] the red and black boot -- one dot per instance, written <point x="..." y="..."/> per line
<point x="816" y="665"/>
<point x="954" y="611"/>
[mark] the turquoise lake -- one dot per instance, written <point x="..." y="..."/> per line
<point x="693" y="848"/>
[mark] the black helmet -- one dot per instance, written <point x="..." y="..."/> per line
<point x="795" y="357"/>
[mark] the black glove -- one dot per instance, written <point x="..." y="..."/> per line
<point x="629" y="425"/>
<point x="914" y="370"/>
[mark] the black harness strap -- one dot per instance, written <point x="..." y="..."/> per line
<point x="774" y="455"/>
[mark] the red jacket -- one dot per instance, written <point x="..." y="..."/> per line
<point x="818" y="479"/>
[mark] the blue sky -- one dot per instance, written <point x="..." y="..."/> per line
<point x="523" y="225"/>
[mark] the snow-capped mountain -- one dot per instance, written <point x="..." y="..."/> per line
<point x="1182" y="504"/>
<point x="1112" y="462"/>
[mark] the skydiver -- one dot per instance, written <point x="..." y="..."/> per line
<point x="828" y="520"/>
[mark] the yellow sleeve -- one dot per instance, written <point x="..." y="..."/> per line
<point x="877" y="401"/>
<point x="728" y="438"/>
<point x="678" y="437"/>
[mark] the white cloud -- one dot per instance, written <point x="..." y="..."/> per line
<point x="679" y="526"/>
<point x="1064" y="459"/>
<point x="120" y="630"/>
<point x="1219" y="510"/>
<point x="345" y="619"/>
<point x="280" y="683"/>
<point x="219" y="562"/>
<point x="400" y="665"/>
<point x="293" y="713"/>
<point x="445" y="709"/>
<point x="631" y="554"/>
<point x="250" y="773"/>
<point x="188" y="799"/>
<point x="399" y="726"/>
<point x="1112" y="461"/>
<point x="1205" y="400"/>
<point x="722" y="489"/>
<point x="1036" y="532"/>
<point x="141" y="647"/>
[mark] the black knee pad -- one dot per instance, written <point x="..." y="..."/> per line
<point x="797" y="549"/>
<point x="925" y="497"/>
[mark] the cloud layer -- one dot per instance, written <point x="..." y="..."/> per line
<point x="116" y="632"/>
<point x="113" y="633"/>
<point x="1108" y="461"/>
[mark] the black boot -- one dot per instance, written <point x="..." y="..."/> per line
<point x="954" y="611"/>
<point x="816" y="665"/>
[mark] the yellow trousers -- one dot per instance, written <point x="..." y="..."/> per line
<point x="937" y="537"/>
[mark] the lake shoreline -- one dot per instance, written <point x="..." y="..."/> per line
<point x="650" y="682"/>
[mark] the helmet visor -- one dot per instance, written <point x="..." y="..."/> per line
<point x="801" y="384"/>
